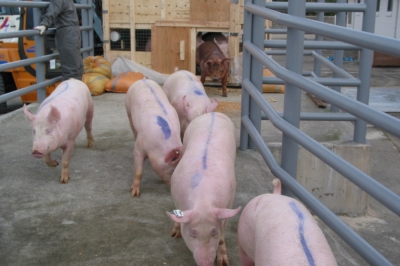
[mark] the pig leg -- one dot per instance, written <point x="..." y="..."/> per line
<point x="203" y="77"/>
<point x="88" y="125"/>
<point x="138" y="162"/>
<point x="223" y="83"/>
<point x="66" y="155"/>
<point x="176" y="231"/>
<point x="49" y="161"/>
<point x="222" y="253"/>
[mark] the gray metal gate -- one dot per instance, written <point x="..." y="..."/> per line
<point x="40" y="59"/>
<point x="254" y="105"/>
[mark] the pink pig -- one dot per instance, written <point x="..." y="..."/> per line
<point x="203" y="187"/>
<point x="155" y="126"/>
<point x="278" y="230"/>
<point x="186" y="93"/>
<point x="58" y="122"/>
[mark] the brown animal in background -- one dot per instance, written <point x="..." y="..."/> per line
<point x="213" y="63"/>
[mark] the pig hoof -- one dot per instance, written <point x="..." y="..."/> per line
<point x="64" y="180"/>
<point x="90" y="143"/>
<point x="52" y="164"/>
<point x="135" y="192"/>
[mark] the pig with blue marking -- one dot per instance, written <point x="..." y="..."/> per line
<point x="187" y="95"/>
<point x="203" y="187"/>
<point x="156" y="129"/>
<point x="275" y="229"/>
<point x="58" y="121"/>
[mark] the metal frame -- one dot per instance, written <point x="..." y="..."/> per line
<point x="254" y="105"/>
<point x="40" y="59"/>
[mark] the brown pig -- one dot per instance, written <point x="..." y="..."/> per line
<point x="278" y="230"/>
<point x="220" y="39"/>
<point x="213" y="63"/>
<point x="203" y="187"/>
<point x="58" y="122"/>
<point x="156" y="129"/>
<point x="186" y="93"/>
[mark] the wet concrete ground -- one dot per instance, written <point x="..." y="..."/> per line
<point x="94" y="220"/>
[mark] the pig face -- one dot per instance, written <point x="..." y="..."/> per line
<point x="192" y="111"/>
<point x="202" y="231"/>
<point x="45" y="137"/>
<point x="216" y="69"/>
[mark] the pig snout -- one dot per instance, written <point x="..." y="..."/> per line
<point x="37" y="154"/>
<point x="215" y="79"/>
<point x="204" y="256"/>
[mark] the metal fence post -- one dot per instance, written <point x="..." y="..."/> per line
<point x="39" y="50"/>
<point x="365" y="70"/>
<point x="291" y="109"/>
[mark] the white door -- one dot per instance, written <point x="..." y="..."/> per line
<point x="386" y="18"/>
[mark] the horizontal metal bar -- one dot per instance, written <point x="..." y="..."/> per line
<point x="27" y="62"/>
<point x="323" y="81"/>
<point x="361" y="110"/>
<point x="17" y="93"/>
<point x="338" y="70"/>
<point x="25" y="33"/>
<point x="321" y="117"/>
<point x="283" y="52"/>
<point x="362" y="247"/>
<point x="313" y="45"/>
<point x="358" y="177"/>
<point x="282" y="31"/>
<point x="328" y="7"/>
<point x="37" y="4"/>
<point x="363" y="39"/>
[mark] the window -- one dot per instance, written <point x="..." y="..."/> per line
<point x="390" y="6"/>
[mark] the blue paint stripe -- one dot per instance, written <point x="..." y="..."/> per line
<point x="303" y="242"/>
<point x="3" y="62"/>
<point x="197" y="90"/>
<point x="164" y="127"/>
<point x="156" y="97"/>
<point x="196" y="179"/>
<point x="53" y="96"/>
<point x="204" y="158"/>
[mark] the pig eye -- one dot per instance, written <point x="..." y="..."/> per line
<point x="48" y="131"/>
<point x="34" y="132"/>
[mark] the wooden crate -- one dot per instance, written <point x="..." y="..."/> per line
<point x="173" y="25"/>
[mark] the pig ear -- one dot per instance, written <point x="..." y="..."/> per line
<point x="54" y="115"/>
<point x="184" y="219"/>
<point x="225" y="59"/>
<point x="212" y="106"/>
<point x="209" y="62"/>
<point x="173" y="156"/>
<point x="29" y="114"/>
<point x="225" y="213"/>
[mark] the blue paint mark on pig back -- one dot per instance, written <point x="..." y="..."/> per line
<point x="53" y="96"/>
<point x="301" y="233"/>
<point x="197" y="91"/>
<point x="164" y="127"/>
<point x="196" y="179"/>
<point x="204" y="158"/>
<point x="156" y="97"/>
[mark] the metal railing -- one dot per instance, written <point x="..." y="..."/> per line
<point x="40" y="59"/>
<point x="256" y="108"/>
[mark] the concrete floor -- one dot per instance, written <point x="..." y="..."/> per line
<point x="94" y="220"/>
